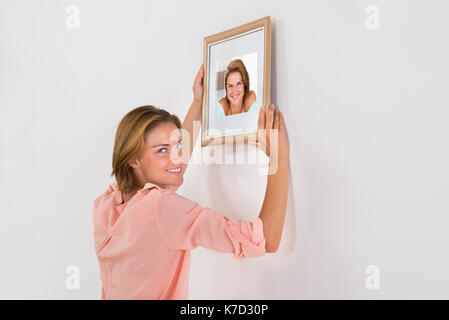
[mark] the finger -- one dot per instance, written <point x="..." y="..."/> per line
<point x="199" y="74"/>
<point x="281" y="122"/>
<point x="276" y="120"/>
<point x="261" y="121"/>
<point x="270" y="117"/>
<point x="247" y="140"/>
<point x="261" y="133"/>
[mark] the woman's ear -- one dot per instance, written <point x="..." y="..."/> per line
<point x="134" y="164"/>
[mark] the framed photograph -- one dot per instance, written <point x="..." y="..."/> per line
<point x="236" y="82"/>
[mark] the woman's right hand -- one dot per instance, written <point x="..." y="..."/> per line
<point x="274" y="119"/>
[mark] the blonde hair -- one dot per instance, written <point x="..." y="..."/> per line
<point x="237" y="66"/>
<point x="130" y="138"/>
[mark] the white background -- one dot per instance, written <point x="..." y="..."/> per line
<point x="366" y="115"/>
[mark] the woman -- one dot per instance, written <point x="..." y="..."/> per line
<point x="144" y="231"/>
<point x="238" y="97"/>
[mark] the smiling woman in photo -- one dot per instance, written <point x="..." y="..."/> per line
<point x="239" y="98"/>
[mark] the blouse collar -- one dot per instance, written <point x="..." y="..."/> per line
<point x="147" y="185"/>
<point x="118" y="194"/>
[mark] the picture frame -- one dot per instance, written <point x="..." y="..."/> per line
<point x="236" y="83"/>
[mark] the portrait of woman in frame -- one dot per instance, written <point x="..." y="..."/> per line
<point x="236" y="82"/>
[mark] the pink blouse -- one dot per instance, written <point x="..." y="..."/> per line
<point x="143" y="245"/>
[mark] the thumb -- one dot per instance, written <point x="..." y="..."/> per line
<point x="253" y="143"/>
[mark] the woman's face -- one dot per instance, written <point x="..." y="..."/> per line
<point x="158" y="158"/>
<point x="235" y="88"/>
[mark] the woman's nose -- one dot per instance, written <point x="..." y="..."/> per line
<point x="177" y="157"/>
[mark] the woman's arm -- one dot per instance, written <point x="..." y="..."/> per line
<point x="275" y="203"/>
<point x="184" y="224"/>
<point x="275" y="206"/>
<point x="225" y="105"/>
<point x="194" y="114"/>
<point x="249" y="101"/>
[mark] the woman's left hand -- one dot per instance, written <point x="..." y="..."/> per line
<point x="198" y="85"/>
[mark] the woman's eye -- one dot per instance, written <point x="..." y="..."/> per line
<point x="179" y="147"/>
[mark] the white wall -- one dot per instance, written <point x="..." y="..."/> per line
<point x="366" y="118"/>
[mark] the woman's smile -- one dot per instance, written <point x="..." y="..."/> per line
<point x="235" y="97"/>
<point x="177" y="170"/>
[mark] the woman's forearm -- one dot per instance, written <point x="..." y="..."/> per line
<point x="274" y="206"/>
<point x="193" y="115"/>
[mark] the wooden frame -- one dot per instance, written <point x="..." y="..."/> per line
<point x="253" y="32"/>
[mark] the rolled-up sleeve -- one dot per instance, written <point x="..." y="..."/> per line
<point x="184" y="224"/>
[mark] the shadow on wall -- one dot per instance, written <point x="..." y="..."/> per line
<point x="289" y="234"/>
